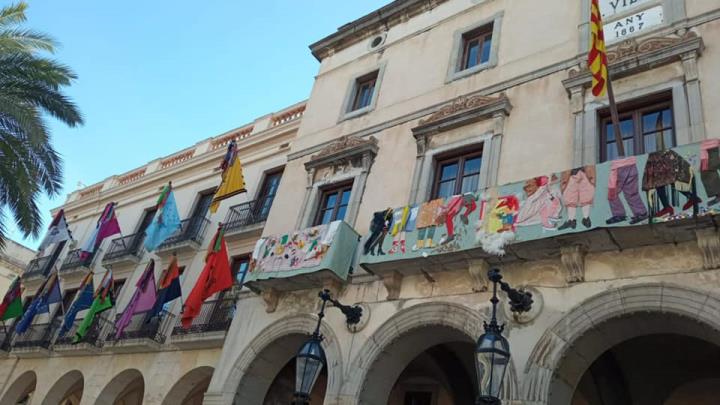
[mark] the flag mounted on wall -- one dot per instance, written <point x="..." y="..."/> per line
<point x="52" y="293"/>
<point x="215" y="277"/>
<point x="597" y="57"/>
<point x="142" y="300"/>
<point x="102" y="301"/>
<point x="83" y="300"/>
<point x="48" y="293"/>
<point x="107" y="225"/>
<point x="168" y="289"/>
<point x="166" y="221"/>
<point x="232" y="182"/>
<point x="11" y="306"/>
<point x="57" y="231"/>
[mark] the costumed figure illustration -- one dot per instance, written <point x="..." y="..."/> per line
<point x="427" y="221"/>
<point x="403" y="222"/>
<point x="663" y="169"/>
<point x="381" y="222"/>
<point x="503" y="215"/>
<point x="578" y="191"/>
<point x="709" y="165"/>
<point x="542" y="204"/>
<point x="461" y="205"/>
<point x="623" y="179"/>
<point x="497" y="226"/>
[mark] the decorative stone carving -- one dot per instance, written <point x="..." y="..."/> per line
<point x="364" y="319"/>
<point x="708" y="241"/>
<point x="271" y="297"/>
<point x="344" y="154"/>
<point x="573" y="260"/>
<point x="392" y="283"/>
<point x="524" y="317"/>
<point x="633" y="47"/>
<point x="478" y="269"/>
<point x="342" y="144"/>
<point x="460" y="104"/>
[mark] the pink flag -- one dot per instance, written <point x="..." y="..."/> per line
<point x="143" y="299"/>
<point x="107" y="225"/>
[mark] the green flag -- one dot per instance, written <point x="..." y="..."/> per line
<point x="99" y="305"/>
<point x="13" y="310"/>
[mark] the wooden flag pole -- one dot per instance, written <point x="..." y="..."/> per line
<point x="615" y="117"/>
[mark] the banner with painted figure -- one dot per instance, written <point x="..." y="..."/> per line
<point x="661" y="186"/>
<point x="329" y="246"/>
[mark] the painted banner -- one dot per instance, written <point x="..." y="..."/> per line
<point x="661" y="186"/>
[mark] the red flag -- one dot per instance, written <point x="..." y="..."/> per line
<point x="215" y="277"/>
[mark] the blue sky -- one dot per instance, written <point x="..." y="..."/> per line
<point x="157" y="76"/>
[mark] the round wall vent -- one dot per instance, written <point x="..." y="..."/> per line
<point x="378" y="40"/>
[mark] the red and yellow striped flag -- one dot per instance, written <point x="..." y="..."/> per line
<point x="597" y="58"/>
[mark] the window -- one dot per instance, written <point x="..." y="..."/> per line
<point x="646" y="126"/>
<point x="239" y="268"/>
<point x="68" y="298"/>
<point x="333" y="204"/>
<point x="477" y="45"/>
<point x="457" y="174"/>
<point x="267" y="193"/>
<point x="117" y="287"/>
<point x="364" y="91"/>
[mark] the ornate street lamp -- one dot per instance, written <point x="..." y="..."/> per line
<point x="492" y="354"/>
<point x="311" y="357"/>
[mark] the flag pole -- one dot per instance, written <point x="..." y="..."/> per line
<point x="615" y="117"/>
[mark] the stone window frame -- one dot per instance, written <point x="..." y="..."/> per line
<point x="673" y="12"/>
<point x="454" y="71"/>
<point x="461" y="112"/>
<point x="633" y="57"/>
<point x="352" y="88"/>
<point x="340" y="152"/>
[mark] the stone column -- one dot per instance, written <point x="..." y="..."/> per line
<point x="692" y="85"/>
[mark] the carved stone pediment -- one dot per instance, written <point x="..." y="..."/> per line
<point x="632" y="47"/>
<point x="462" y="111"/>
<point x="344" y="151"/>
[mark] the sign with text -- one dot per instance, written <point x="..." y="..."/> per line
<point x="633" y="24"/>
<point x="609" y="8"/>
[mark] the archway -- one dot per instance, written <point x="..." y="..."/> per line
<point x="423" y="354"/>
<point x="21" y="390"/>
<point x="126" y="388"/>
<point x="589" y="340"/>
<point x="190" y="388"/>
<point x="258" y="369"/>
<point x="67" y="390"/>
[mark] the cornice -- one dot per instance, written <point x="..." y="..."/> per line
<point x="343" y="148"/>
<point x="462" y="111"/>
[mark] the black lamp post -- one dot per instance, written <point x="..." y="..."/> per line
<point x="492" y="354"/>
<point x="311" y="357"/>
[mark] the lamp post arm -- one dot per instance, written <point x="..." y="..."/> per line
<point x="352" y="313"/>
<point x="520" y="300"/>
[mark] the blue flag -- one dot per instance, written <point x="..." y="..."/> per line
<point x="166" y="221"/>
<point x="83" y="301"/>
<point x="51" y="295"/>
<point x="168" y="289"/>
<point x="27" y="318"/>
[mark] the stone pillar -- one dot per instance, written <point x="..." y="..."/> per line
<point x="692" y="85"/>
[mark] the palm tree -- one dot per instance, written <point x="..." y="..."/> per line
<point x="30" y="91"/>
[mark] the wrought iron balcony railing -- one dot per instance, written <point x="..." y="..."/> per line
<point x="215" y="315"/>
<point x="141" y="327"/>
<point x="191" y="230"/>
<point x="130" y="245"/>
<point x="92" y="336"/>
<point x="247" y="213"/>
<point x="38" y="335"/>
<point x="74" y="260"/>
<point x="38" y="267"/>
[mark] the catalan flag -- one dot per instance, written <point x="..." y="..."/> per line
<point x="597" y="57"/>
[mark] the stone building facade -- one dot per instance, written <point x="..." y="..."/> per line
<point x="13" y="259"/>
<point x="448" y="137"/>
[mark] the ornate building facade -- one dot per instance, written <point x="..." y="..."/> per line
<point x="442" y="138"/>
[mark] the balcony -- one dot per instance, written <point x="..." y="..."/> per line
<point x="208" y="329"/>
<point x="535" y="220"/>
<point x="91" y="343"/>
<point x="139" y="335"/>
<point x="74" y="264"/>
<point x="304" y="259"/>
<point x="36" y="341"/>
<point x="124" y="250"/>
<point x="188" y="237"/>
<point x="38" y="268"/>
<point x="246" y="218"/>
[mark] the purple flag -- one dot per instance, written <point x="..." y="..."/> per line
<point x="107" y="225"/>
<point x="143" y="298"/>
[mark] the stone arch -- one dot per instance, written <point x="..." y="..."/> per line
<point x="249" y="377"/>
<point x="129" y="382"/>
<point x="400" y="338"/>
<point x="22" y="386"/>
<point x="192" y="385"/>
<point x="578" y="338"/>
<point x="69" y="383"/>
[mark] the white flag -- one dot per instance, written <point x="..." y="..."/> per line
<point x="57" y="231"/>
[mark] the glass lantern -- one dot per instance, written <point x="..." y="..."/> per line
<point x="492" y="356"/>
<point x="310" y="362"/>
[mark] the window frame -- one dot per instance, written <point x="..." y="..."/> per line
<point x="635" y="109"/>
<point x="264" y="186"/>
<point x="491" y="27"/>
<point x="369" y="80"/>
<point x="246" y="257"/>
<point x="461" y="157"/>
<point x="338" y="188"/>
<point x="481" y="34"/>
<point x="347" y="109"/>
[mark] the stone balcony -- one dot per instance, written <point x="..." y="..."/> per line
<point x="299" y="260"/>
<point x="38" y="268"/>
<point x="91" y="343"/>
<point x="530" y="220"/>
<point x="246" y="219"/>
<point x="208" y="329"/>
<point x="141" y="335"/>
<point x="36" y="341"/>
<point x="124" y="251"/>
<point x="188" y="238"/>
<point x="75" y="265"/>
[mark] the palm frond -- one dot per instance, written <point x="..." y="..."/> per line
<point x="22" y="40"/>
<point x="13" y="14"/>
